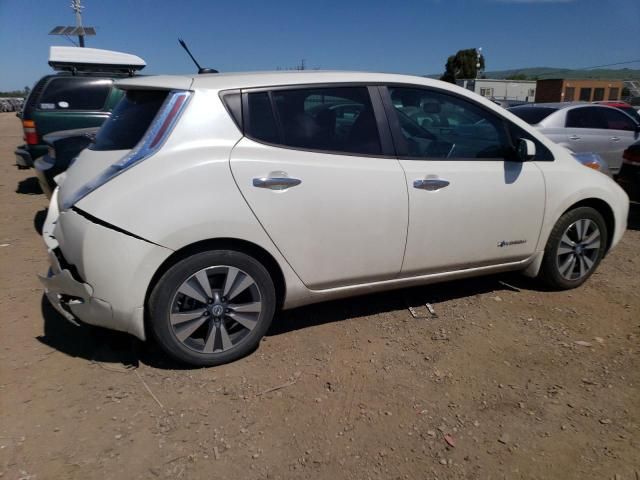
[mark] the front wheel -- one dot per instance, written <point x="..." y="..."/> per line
<point x="575" y="247"/>
<point x="212" y="308"/>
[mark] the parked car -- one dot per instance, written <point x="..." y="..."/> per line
<point x="584" y="128"/>
<point x="80" y="95"/>
<point x="624" y="106"/>
<point x="629" y="176"/>
<point x="63" y="148"/>
<point x="208" y="202"/>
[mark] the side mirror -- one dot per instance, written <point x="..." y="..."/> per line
<point x="526" y="150"/>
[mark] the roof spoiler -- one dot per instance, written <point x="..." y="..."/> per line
<point x="94" y="60"/>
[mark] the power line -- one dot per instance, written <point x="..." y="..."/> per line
<point x="609" y="65"/>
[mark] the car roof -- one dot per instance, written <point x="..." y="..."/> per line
<point x="224" y="81"/>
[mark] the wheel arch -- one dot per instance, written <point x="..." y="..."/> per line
<point x="603" y="208"/>
<point x="235" y="244"/>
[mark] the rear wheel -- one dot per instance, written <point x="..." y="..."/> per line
<point x="212" y="308"/>
<point x="575" y="247"/>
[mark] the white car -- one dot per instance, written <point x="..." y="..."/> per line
<point x="584" y="128"/>
<point x="209" y="202"/>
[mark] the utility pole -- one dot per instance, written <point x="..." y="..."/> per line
<point x="77" y="7"/>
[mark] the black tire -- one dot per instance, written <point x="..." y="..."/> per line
<point x="550" y="271"/>
<point x="162" y="302"/>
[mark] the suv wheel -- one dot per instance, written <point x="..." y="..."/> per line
<point x="575" y="247"/>
<point x="212" y="308"/>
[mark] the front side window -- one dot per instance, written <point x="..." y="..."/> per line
<point x="532" y="115"/>
<point x="75" y="93"/>
<point x="439" y="125"/>
<point x="333" y="119"/>
<point x="586" y="117"/>
<point x="617" y="120"/>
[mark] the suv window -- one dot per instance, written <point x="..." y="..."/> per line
<point x="586" y="117"/>
<point x="129" y="120"/>
<point x="75" y="93"/>
<point x="617" y="120"/>
<point x="438" y="125"/>
<point x="338" y="119"/>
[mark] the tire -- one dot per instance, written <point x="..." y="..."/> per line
<point x="203" y="326"/>
<point x="579" y="236"/>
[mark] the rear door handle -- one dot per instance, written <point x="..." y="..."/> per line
<point x="615" y="139"/>
<point x="574" y="137"/>
<point x="430" y="184"/>
<point x="276" y="182"/>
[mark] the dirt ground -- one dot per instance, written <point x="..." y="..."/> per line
<point x="509" y="381"/>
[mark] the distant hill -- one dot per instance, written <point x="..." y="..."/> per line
<point x="547" y="72"/>
<point x="537" y="73"/>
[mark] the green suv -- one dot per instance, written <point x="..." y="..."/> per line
<point x="80" y="95"/>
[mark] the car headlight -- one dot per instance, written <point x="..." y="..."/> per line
<point x="592" y="160"/>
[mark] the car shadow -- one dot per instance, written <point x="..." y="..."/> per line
<point x="110" y="349"/>
<point x="38" y="220"/>
<point x="383" y="302"/>
<point x="29" y="186"/>
<point x="633" y="221"/>
<point x="120" y="351"/>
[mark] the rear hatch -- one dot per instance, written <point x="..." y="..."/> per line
<point x="120" y="137"/>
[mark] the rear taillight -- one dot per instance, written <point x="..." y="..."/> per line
<point x="30" y="135"/>
<point x="631" y="156"/>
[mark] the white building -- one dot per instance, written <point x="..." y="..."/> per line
<point x="521" y="90"/>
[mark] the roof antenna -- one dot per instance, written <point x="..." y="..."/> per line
<point x="200" y="69"/>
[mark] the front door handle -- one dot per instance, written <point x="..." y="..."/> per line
<point x="431" y="184"/>
<point x="279" y="182"/>
<point x="574" y="137"/>
<point x="615" y="139"/>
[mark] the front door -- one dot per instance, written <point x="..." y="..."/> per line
<point x="313" y="169"/>
<point x="469" y="206"/>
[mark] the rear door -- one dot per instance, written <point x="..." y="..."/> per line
<point x="470" y="203"/>
<point x="317" y="168"/>
<point x="622" y="132"/>
<point x="586" y="131"/>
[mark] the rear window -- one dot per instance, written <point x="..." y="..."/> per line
<point x="129" y="120"/>
<point x="632" y="112"/>
<point x="75" y="93"/>
<point x="532" y="115"/>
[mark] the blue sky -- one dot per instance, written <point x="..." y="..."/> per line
<point x="404" y="36"/>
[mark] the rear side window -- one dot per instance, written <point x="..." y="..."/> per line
<point x="339" y="119"/>
<point x="532" y="115"/>
<point x="617" y="120"/>
<point x="129" y="120"/>
<point x="632" y="112"/>
<point x="586" y="117"/>
<point x="75" y="93"/>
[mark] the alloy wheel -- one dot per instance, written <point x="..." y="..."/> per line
<point x="578" y="249"/>
<point x="215" y="309"/>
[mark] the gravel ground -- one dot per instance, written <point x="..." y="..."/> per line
<point x="509" y="381"/>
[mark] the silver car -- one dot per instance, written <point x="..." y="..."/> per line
<point x="584" y="128"/>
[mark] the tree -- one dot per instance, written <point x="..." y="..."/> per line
<point x="463" y="65"/>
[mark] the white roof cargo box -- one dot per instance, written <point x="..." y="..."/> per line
<point x="77" y="59"/>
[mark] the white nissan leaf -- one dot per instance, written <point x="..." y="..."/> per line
<point x="208" y="202"/>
